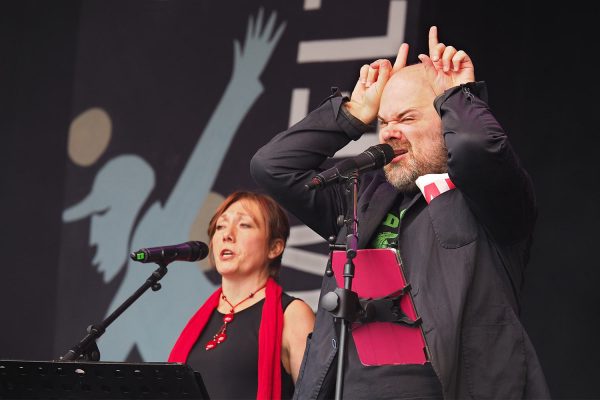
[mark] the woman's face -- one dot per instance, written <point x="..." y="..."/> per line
<point x="240" y="244"/>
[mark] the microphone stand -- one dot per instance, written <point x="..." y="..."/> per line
<point x="87" y="349"/>
<point x="344" y="304"/>
<point x="351" y="248"/>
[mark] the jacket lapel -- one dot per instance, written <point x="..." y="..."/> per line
<point x="371" y="210"/>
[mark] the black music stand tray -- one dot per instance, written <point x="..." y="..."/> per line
<point x="98" y="380"/>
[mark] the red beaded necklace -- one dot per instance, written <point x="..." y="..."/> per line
<point x="221" y="334"/>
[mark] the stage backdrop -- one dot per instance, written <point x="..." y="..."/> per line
<point x="170" y="101"/>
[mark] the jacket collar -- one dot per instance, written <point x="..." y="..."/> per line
<point x="372" y="209"/>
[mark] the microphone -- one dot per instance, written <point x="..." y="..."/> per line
<point x="188" y="251"/>
<point x="372" y="158"/>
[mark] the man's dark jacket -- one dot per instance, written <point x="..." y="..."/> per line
<point x="464" y="253"/>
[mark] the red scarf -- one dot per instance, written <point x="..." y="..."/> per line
<point x="269" y="339"/>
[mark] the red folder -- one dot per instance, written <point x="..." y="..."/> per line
<point x="378" y="273"/>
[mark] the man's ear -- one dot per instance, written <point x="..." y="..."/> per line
<point x="276" y="249"/>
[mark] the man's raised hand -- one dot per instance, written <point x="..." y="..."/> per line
<point x="446" y="67"/>
<point x="366" y="96"/>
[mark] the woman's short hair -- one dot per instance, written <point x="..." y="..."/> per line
<point x="276" y="220"/>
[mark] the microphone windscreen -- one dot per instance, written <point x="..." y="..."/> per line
<point x="383" y="154"/>
<point x="199" y="250"/>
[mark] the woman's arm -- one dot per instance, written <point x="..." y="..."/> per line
<point x="298" y="322"/>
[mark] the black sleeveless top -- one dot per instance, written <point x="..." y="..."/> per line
<point x="230" y="370"/>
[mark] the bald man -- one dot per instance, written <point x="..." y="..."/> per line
<point x="456" y="205"/>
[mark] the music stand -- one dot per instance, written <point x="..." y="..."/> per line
<point x="99" y="380"/>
